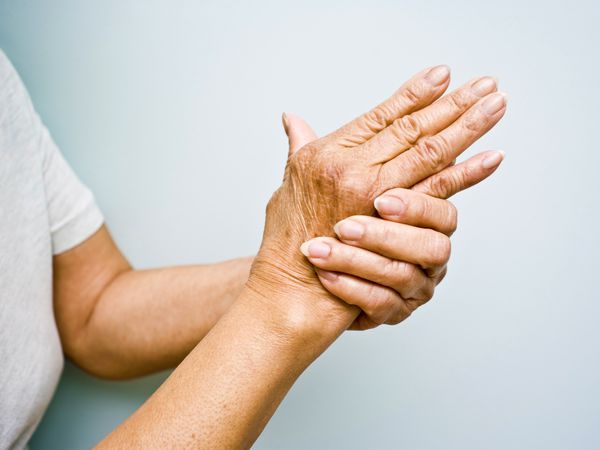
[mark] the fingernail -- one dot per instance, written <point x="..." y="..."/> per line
<point x="349" y="229"/>
<point x="494" y="103"/>
<point x="492" y="160"/>
<point x="327" y="275"/>
<point x="438" y="75"/>
<point x="484" y="86"/>
<point x="315" y="249"/>
<point x="390" y="205"/>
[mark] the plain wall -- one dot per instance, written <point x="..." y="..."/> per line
<point x="170" y="112"/>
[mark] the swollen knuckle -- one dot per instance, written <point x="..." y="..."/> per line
<point x="472" y="123"/>
<point x="466" y="176"/>
<point x="376" y="119"/>
<point x="432" y="152"/>
<point x="458" y="100"/>
<point x="445" y="184"/>
<point x="407" y="128"/>
<point x="412" y="93"/>
<point x="392" y="271"/>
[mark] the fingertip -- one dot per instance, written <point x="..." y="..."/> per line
<point x="304" y="248"/>
<point x="390" y="205"/>
<point x="438" y="74"/>
<point x="484" y="86"/>
<point x="327" y="275"/>
<point x="492" y="160"/>
<point x="315" y="249"/>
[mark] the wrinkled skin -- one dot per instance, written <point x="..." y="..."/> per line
<point x="399" y="143"/>
<point x="381" y="271"/>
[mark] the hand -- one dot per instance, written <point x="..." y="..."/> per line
<point x="387" y="266"/>
<point x="389" y="289"/>
<point x="401" y="142"/>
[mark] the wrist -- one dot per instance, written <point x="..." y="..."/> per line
<point x="299" y="305"/>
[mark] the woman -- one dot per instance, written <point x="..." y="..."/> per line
<point x="65" y="286"/>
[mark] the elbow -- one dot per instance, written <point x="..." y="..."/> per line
<point x="96" y="361"/>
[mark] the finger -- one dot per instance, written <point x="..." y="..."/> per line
<point x="332" y="255"/>
<point x="424" y="247"/>
<point x="299" y="133"/>
<point x="457" y="178"/>
<point x="377" y="302"/>
<point x="432" y="154"/>
<point x="404" y="132"/>
<point x="362" y="323"/>
<point x="417" y="209"/>
<point x="418" y="92"/>
<point x="440" y="277"/>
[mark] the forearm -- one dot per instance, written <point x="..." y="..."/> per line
<point x="225" y="391"/>
<point x="148" y="320"/>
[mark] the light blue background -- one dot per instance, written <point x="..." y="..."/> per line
<point x="170" y="112"/>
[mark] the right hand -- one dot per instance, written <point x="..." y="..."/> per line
<point x="399" y="143"/>
<point x="391" y="269"/>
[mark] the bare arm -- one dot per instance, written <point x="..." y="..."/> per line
<point x="116" y="322"/>
<point x="225" y="391"/>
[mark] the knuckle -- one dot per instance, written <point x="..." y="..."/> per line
<point x="403" y="311"/>
<point x="406" y="277"/>
<point x="427" y="292"/>
<point x="466" y="176"/>
<point x="440" y="249"/>
<point x="412" y="93"/>
<point x="421" y="207"/>
<point x="376" y="119"/>
<point x="362" y="191"/>
<point x="393" y="271"/>
<point x="407" y="129"/>
<point x="432" y="151"/>
<point x="378" y="304"/>
<point x="472" y="123"/>
<point x="442" y="275"/>
<point x="386" y="232"/>
<point x="452" y="217"/>
<point x="348" y="254"/>
<point x="459" y="100"/>
<point x="444" y="184"/>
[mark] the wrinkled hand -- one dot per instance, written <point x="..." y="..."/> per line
<point x="399" y="143"/>
<point x="392" y="268"/>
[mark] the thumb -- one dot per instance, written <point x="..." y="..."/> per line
<point x="299" y="133"/>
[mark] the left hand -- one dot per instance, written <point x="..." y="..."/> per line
<point x="393" y="265"/>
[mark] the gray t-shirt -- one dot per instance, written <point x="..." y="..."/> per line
<point x="44" y="210"/>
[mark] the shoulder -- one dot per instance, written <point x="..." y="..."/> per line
<point x="18" y="118"/>
<point x="8" y="74"/>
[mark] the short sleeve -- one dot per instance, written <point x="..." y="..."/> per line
<point x="72" y="211"/>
